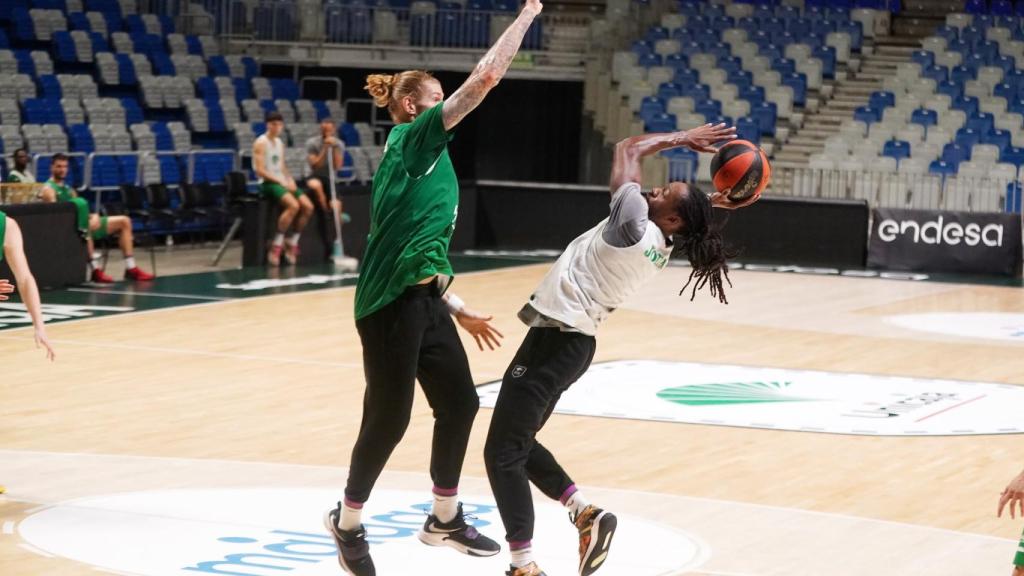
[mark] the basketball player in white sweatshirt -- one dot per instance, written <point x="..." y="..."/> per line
<point x="596" y="274"/>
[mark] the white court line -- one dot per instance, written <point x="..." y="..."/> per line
<point x="155" y="294"/>
<point x="250" y="298"/>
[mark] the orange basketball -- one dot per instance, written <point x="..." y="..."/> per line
<point x="742" y="168"/>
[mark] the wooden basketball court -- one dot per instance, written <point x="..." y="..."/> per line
<point x="221" y="392"/>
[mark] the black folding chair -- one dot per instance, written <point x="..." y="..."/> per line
<point x="237" y="186"/>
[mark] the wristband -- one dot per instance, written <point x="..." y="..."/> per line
<point x="454" y="303"/>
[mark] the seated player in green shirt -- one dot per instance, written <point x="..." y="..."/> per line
<point x="276" y="183"/>
<point x="94" y="226"/>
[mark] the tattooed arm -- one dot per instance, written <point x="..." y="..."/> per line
<point x="491" y="68"/>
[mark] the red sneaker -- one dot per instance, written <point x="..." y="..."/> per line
<point x="138" y="274"/>
<point x="101" y="277"/>
<point x="274" y="256"/>
<point x="291" y="254"/>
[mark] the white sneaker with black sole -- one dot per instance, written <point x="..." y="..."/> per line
<point x="458" y="535"/>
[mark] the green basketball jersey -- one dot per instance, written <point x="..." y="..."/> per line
<point x="3" y="233"/>
<point x="412" y="215"/>
<point x="64" y="192"/>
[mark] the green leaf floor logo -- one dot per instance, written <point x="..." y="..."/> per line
<point x="730" y="393"/>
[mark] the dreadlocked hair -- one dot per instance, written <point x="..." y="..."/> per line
<point x="701" y="241"/>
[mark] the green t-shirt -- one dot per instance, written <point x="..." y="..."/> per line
<point x="64" y="192"/>
<point x="3" y="232"/>
<point x="412" y="215"/>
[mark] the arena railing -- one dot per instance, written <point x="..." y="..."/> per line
<point x="961" y="192"/>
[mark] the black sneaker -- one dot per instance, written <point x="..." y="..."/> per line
<point x="458" y="535"/>
<point x="596" y="528"/>
<point x="353" y="550"/>
<point x="531" y="570"/>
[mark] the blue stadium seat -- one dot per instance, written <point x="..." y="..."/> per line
<point x="650" y="107"/>
<point x="686" y="77"/>
<point x="669" y="90"/>
<point x="997" y="137"/>
<point x="961" y="74"/>
<point x="798" y="82"/>
<point x="981" y="121"/>
<point x="867" y="114"/>
<point x="709" y="108"/>
<point x="1013" y="155"/>
<point x="661" y="123"/>
<point x="748" y="128"/>
<point x="923" y="57"/>
<point x="649" y="60"/>
<point x="924" y="117"/>
<point x="975" y="7"/>
<point x="698" y="92"/>
<point x="938" y="73"/>
<point x="766" y="114"/>
<point x="677" y="61"/>
<point x="897" y="149"/>
<point x="954" y="153"/>
<point x="132" y="110"/>
<point x="349" y="134"/>
<point x="943" y="168"/>
<point x="951" y="89"/>
<point x="967" y="138"/>
<point x="827" y="55"/>
<point x="882" y="100"/>
<point x="1005" y="90"/>
<point x="80" y="138"/>
<point x="969" y="104"/>
<point x="784" y="66"/>
<point x="1007" y="63"/>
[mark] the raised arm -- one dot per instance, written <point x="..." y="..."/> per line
<point x="491" y="69"/>
<point x="14" y="252"/>
<point x="629" y="153"/>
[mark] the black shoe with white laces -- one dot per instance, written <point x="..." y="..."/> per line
<point x="353" y="550"/>
<point x="458" y="535"/>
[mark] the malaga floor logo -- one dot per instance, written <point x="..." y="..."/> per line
<point x="795" y="400"/>
<point x="278" y="531"/>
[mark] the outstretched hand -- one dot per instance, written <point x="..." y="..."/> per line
<point x="1014" y="496"/>
<point x="703" y="138"/>
<point x="533" y="6"/>
<point x="479" y="326"/>
<point x="5" y="288"/>
<point x="43" y="342"/>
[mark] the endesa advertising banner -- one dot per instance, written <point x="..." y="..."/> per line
<point x="935" y="241"/>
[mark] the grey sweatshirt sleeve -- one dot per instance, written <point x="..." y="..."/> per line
<point x="628" y="220"/>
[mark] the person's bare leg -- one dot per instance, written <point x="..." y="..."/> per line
<point x="305" y="213"/>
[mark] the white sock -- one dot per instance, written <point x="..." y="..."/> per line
<point x="351" y="518"/>
<point x="95" y="261"/>
<point x="293" y="240"/>
<point x="522" y="557"/>
<point x="576" y="504"/>
<point x="129" y="262"/>
<point x="445" y="508"/>
<point x="279" y="239"/>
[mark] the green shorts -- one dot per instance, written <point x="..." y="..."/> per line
<point x="101" y="232"/>
<point x="276" y="191"/>
<point x="82" y="209"/>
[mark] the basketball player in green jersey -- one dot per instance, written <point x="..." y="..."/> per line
<point x="93" y="226"/>
<point x="277" y="184"/>
<point x="13" y="252"/>
<point x="403" y="309"/>
<point x="1013" y="495"/>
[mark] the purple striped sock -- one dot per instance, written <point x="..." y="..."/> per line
<point x="519" y="545"/>
<point x="567" y="494"/>
<point x="446" y="492"/>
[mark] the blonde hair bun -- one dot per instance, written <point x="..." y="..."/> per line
<point x="380" y="86"/>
